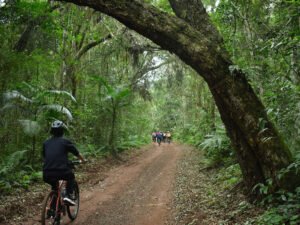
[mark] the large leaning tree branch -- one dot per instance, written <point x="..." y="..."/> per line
<point x="170" y="32"/>
<point x="194" y="13"/>
<point x="260" y="150"/>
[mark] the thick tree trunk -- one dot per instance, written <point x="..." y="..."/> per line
<point x="193" y="12"/>
<point x="261" y="152"/>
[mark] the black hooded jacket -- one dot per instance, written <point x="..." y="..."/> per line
<point x="55" y="155"/>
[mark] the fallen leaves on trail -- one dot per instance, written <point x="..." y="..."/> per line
<point x="21" y="203"/>
<point x="200" y="198"/>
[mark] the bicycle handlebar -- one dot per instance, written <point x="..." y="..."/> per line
<point x="75" y="162"/>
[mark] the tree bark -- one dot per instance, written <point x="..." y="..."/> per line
<point x="111" y="141"/>
<point x="194" y="13"/>
<point x="260" y="150"/>
<point x="22" y="43"/>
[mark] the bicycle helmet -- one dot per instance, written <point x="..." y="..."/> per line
<point x="57" y="124"/>
<point x="57" y="128"/>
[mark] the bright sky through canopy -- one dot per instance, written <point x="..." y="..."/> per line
<point x="2" y="3"/>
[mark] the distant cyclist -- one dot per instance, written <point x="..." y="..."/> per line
<point x="153" y="135"/>
<point x="168" y="136"/>
<point x="56" y="164"/>
<point x="159" y="137"/>
<point x="164" y="137"/>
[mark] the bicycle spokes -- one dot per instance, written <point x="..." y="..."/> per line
<point x="73" y="210"/>
<point x="48" y="209"/>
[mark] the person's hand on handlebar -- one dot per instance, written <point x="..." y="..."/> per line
<point x="82" y="160"/>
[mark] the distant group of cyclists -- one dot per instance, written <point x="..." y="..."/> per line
<point x="159" y="137"/>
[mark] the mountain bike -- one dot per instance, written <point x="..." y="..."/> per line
<point x="55" y="199"/>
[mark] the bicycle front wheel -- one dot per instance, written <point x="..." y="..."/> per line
<point x="48" y="214"/>
<point x="73" y="210"/>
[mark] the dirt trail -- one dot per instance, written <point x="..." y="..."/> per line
<point x="136" y="194"/>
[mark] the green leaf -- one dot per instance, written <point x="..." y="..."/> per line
<point x="61" y="93"/>
<point x="15" y="95"/>
<point x="60" y="109"/>
<point x="30" y="127"/>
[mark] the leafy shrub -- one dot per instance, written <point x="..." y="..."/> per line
<point x="217" y="147"/>
<point x="15" y="173"/>
<point x="285" y="210"/>
<point x="133" y="141"/>
<point x="284" y="206"/>
<point x="92" y="150"/>
<point x="11" y="163"/>
<point x="229" y="176"/>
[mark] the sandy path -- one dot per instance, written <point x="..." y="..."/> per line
<point x="136" y="194"/>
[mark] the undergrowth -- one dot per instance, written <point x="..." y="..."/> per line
<point x="17" y="172"/>
<point x="283" y="207"/>
<point x="280" y="208"/>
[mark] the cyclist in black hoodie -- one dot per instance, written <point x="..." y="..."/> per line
<point x="56" y="165"/>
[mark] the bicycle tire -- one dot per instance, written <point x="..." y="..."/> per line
<point x="74" y="210"/>
<point x="45" y="207"/>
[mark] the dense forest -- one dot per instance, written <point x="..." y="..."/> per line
<point x="115" y="71"/>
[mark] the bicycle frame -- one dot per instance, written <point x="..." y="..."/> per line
<point x="59" y="205"/>
<point x="49" y="213"/>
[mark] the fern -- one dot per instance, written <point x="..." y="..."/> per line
<point x="217" y="147"/>
<point x="11" y="162"/>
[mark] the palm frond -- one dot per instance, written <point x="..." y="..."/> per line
<point x="108" y="87"/>
<point x="29" y="87"/>
<point x="60" y="109"/>
<point x="30" y="127"/>
<point x="122" y="93"/>
<point x="8" y="106"/>
<point x="15" y="95"/>
<point x="60" y="93"/>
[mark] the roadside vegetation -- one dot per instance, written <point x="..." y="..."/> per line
<point x="113" y="88"/>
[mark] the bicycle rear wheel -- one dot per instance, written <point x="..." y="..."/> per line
<point x="73" y="210"/>
<point x="48" y="217"/>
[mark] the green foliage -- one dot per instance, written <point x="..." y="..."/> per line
<point x="16" y="173"/>
<point x="229" y="176"/>
<point x="133" y="141"/>
<point x="283" y="206"/>
<point x="89" y="150"/>
<point x="261" y="36"/>
<point x="38" y="106"/>
<point x="30" y="128"/>
<point x="162" y="4"/>
<point x="263" y="40"/>
<point x="284" y="209"/>
<point x="217" y="147"/>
